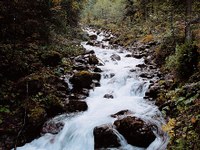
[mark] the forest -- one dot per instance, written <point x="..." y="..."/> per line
<point x="39" y="41"/>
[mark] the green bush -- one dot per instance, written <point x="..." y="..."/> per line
<point x="184" y="62"/>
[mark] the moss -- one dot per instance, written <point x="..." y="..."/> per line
<point x="37" y="115"/>
<point x="83" y="73"/>
<point x="51" y="58"/>
<point x="184" y="62"/>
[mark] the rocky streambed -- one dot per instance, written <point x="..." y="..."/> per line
<point x="108" y="101"/>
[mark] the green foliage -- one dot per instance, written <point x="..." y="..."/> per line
<point x="4" y="110"/>
<point x="184" y="62"/>
<point x="111" y="11"/>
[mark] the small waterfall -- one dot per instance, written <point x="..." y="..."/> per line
<point x="127" y="89"/>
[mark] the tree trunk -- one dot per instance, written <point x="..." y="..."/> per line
<point x="188" y="35"/>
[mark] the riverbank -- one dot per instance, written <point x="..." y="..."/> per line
<point x="176" y="92"/>
<point x="35" y="49"/>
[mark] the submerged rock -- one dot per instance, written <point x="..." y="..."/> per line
<point x="135" y="131"/>
<point x="104" y="137"/>
<point x="115" y="57"/>
<point x="122" y="113"/>
<point x="52" y="127"/>
<point x="108" y="96"/>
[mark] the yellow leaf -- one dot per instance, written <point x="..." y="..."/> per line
<point x="193" y="119"/>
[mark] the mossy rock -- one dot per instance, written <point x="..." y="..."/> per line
<point x="93" y="60"/>
<point x="37" y="115"/>
<point x="30" y="86"/>
<point x="51" y="58"/>
<point x="83" y="79"/>
<point x="54" y="105"/>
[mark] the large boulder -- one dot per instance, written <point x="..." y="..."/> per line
<point x="76" y="106"/>
<point x="104" y="137"/>
<point x="52" y="58"/>
<point x="153" y="91"/>
<point x="135" y="131"/>
<point x="84" y="79"/>
<point x="93" y="37"/>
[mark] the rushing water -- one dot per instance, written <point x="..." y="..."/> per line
<point x="128" y="90"/>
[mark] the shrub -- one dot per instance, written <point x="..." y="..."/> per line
<point x="184" y="62"/>
<point x="147" y="38"/>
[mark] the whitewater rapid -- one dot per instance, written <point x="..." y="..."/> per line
<point x="128" y="90"/>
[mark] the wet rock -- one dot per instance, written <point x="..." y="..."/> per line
<point x="96" y="69"/>
<point x="108" y="96"/>
<point x="83" y="79"/>
<point x="115" y="57"/>
<point x="79" y="67"/>
<point x="108" y="75"/>
<point x="92" y="43"/>
<point x="122" y="113"/>
<point x="141" y="48"/>
<point x="152" y="67"/>
<point x="75" y="96"/>
<point x="141" y="66"/>
<point x="80" y="59"/>
<point x="112" y="75"/>
<point x="95" y="83"/>
<point x="52" y="127"/>
<point x="132" y="70"/>
<point x="107" y="39"/>
<point x="93" y="37"/>
<point x="147" y="46"/>
<point x="135" y="131"/>
<point x="93" y="60"/>
<point x="96" y="76"/>
<point x="104" y="137"/>
<point x="128" y="55"/>
<point x="138" y="55"/>
<point x="146" y="75"/>
<point x="85" y="92"/>
<point x="76" y="106"/>
<point x="153" y="91"/>
<point x="89" y="52"/>
<point x="98" y="32"/>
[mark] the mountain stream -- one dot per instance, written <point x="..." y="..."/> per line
<point x="121" y="79"/>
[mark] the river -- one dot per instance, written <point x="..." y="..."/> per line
<point x="120" y="78"/>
